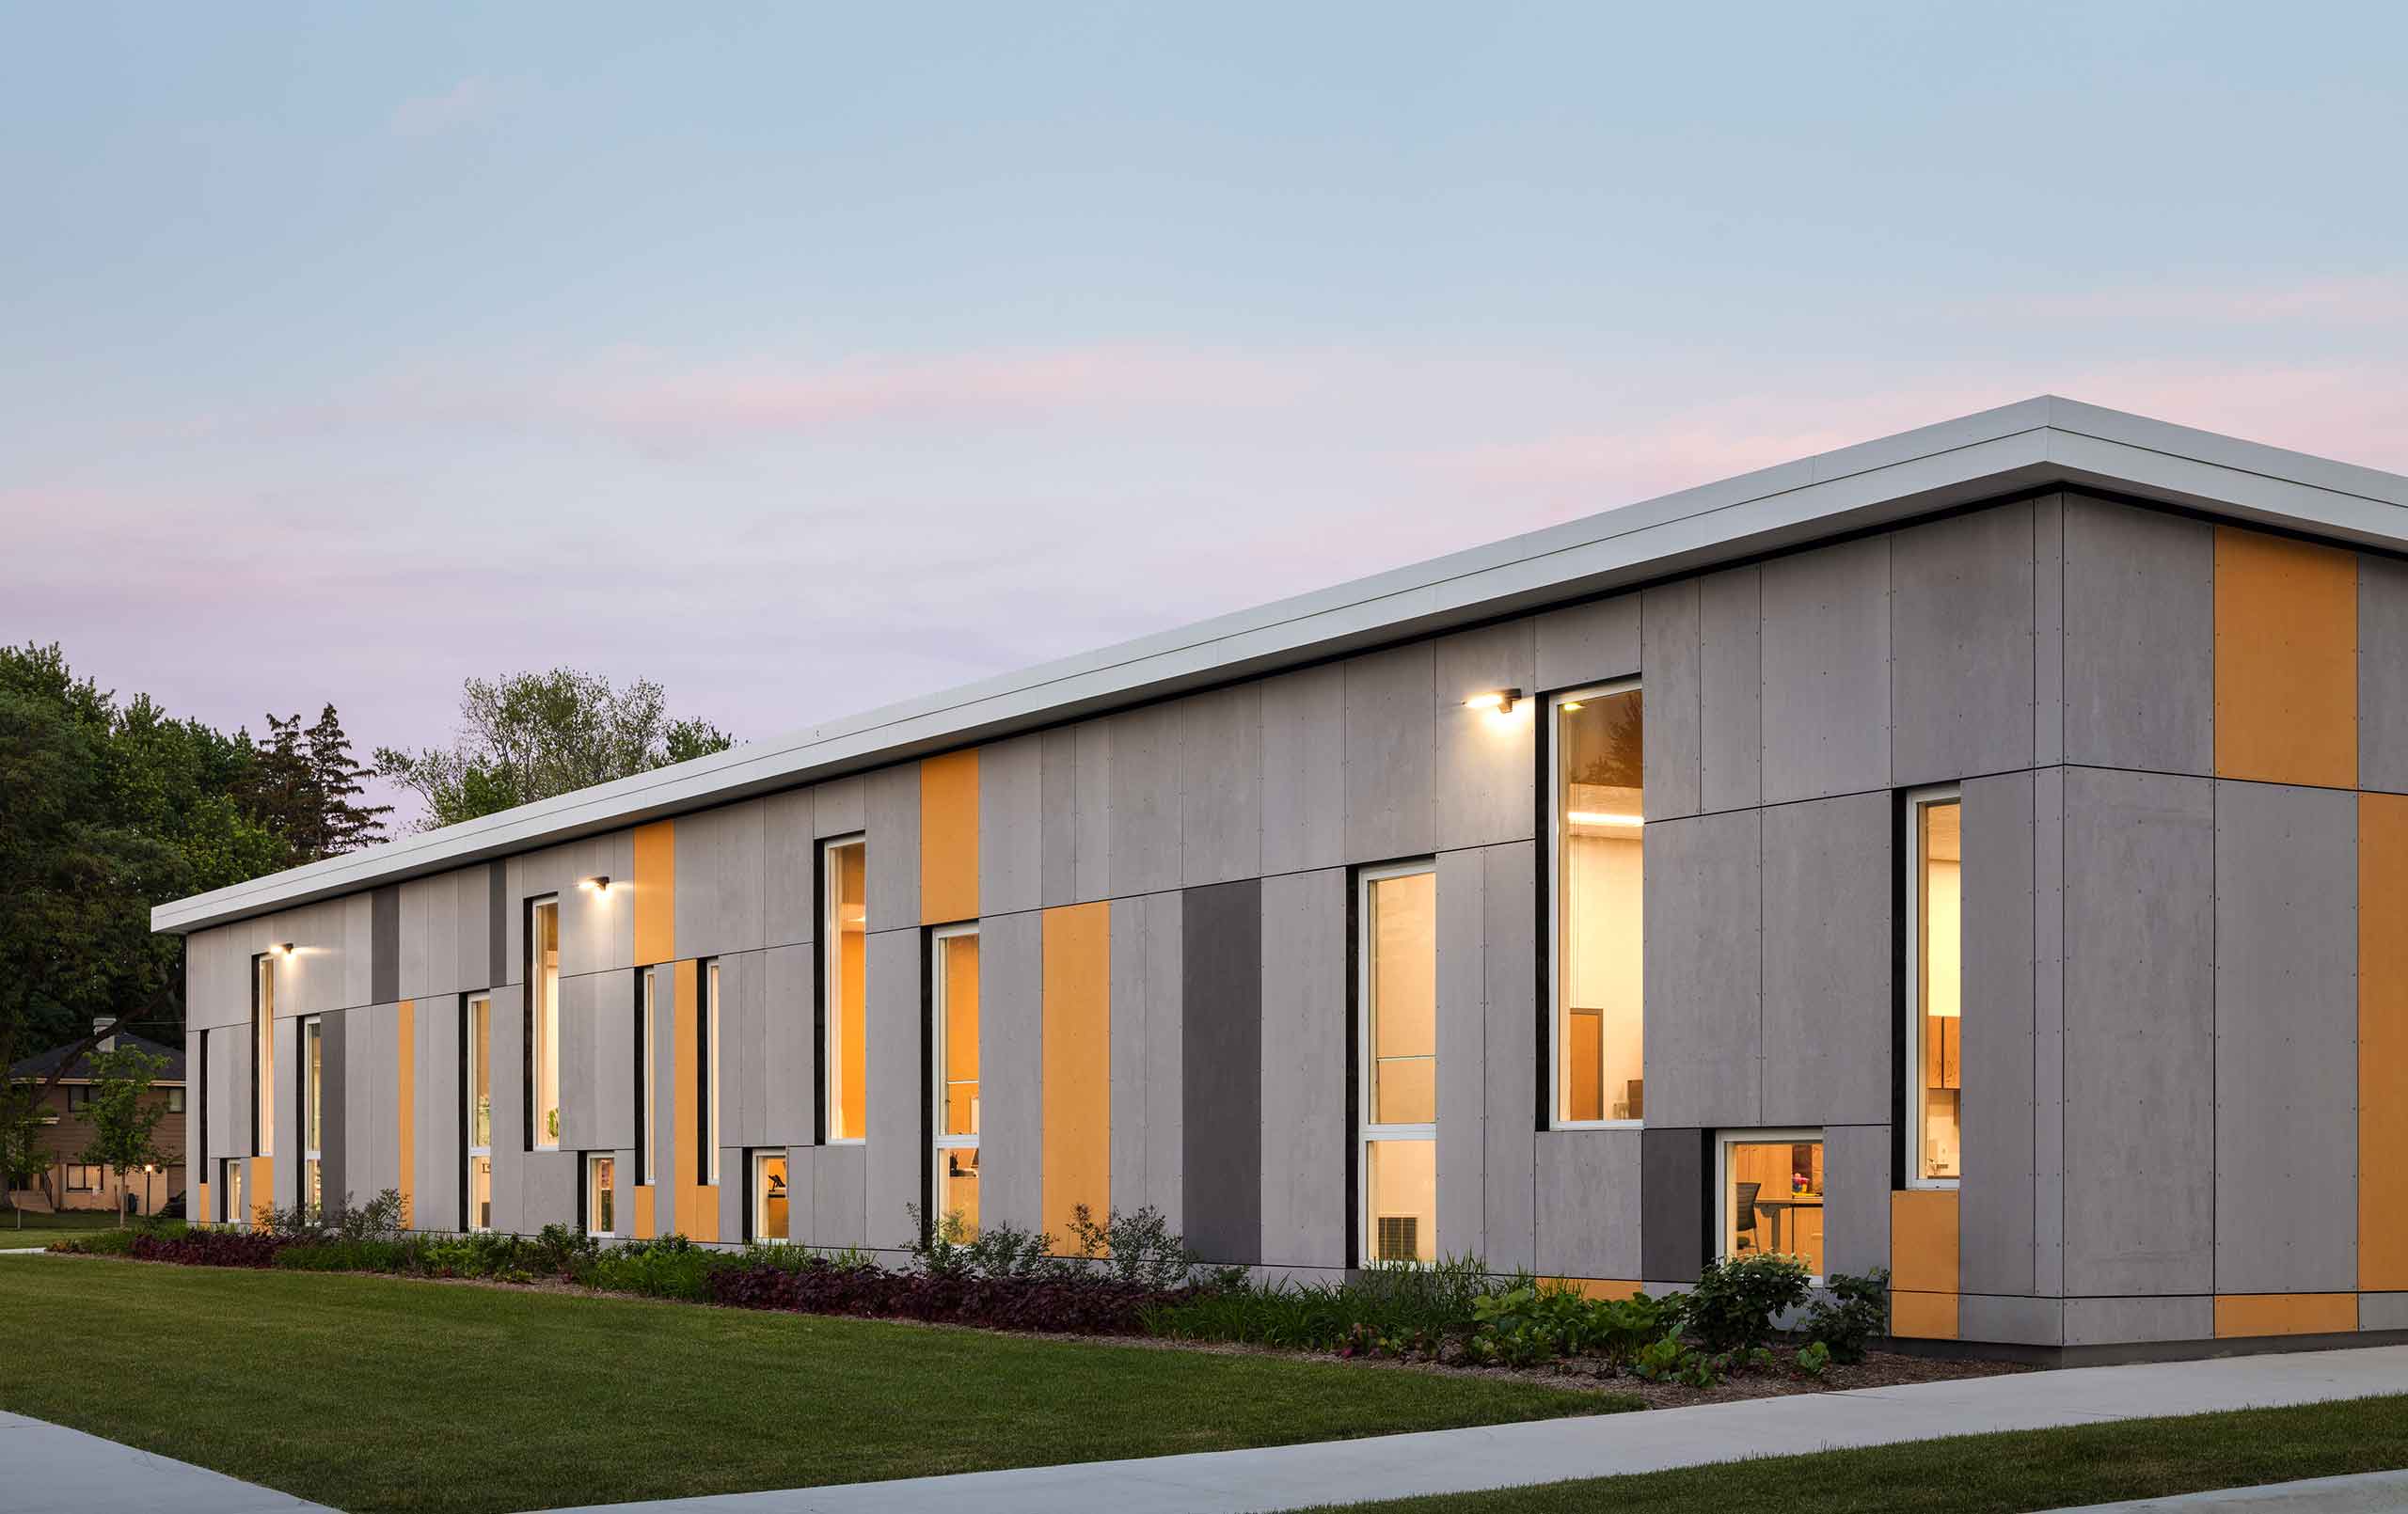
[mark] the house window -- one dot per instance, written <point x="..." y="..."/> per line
<point x="83" y="1178"/>
<point x="263" y="1059"/>
<point x="846" y="937"/>
<point x="231" y="1186"/>
<point x="201" y="1124"/>
<point x="952" y="1007"/>
<point x="706" y="1060"/>
<point x="1771" y="1187"/>
<point x="477" y="1089"/>
<point x="647" y="1069"/>
<point x="601" y="1211"/>
<point x="543" y="1012"/>
<point x="1935" y="939"/>
<point x="1398" y="1032"/>
<point x="175" y="1101"/>
<point x="770" y="1216"/>
<point x="79" y="1097"/>
<point x="313" y="1085"/>
<point x="1597" y="735"/>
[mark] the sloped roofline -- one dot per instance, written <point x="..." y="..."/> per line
<point x="2032" y="444"/>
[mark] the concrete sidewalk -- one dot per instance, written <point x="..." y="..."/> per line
<point x="2369" y="1493"/>
<point x="1507" y="1456"/>
<point x="49" y="1469"/>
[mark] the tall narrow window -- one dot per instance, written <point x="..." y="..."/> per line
<point x="201" y="1124"/>
<point x="1398" y="1032"/>
<point x="770" y="1223"/>
<point x="844" y="935"/>
<point x="231" y="1183"/>
<point x="1596" y="749"/>
<point x="263" y="1060"/>
<point x="706" y="1067"/>
<point x="601" y="1205"/>
<point x="953" y="1004"/>
<point x="313" y="1098"/>
<point x="478" y="1094"/>
<point x="1772" y="1186"/>
<point x="543" y="1011"/>
<point x="647" y="1070"/>
<point x="1935" y="951"/>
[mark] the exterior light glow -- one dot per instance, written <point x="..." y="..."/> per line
<point x="600" y="883"/>
<point x="1599" y="817"/>
<point x="1499" y="699"/>
<point x="285" y="947"/>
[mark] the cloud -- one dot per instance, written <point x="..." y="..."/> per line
<point x="470" y="103"/>
<point x="2351" y="302"/>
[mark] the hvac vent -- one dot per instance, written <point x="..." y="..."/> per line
<point x="1399" y="1238"/>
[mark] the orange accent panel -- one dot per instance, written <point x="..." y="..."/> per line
<point x="1078" y="1064"/>
<point x="204" y="1213"/>
<point x="685" y="1025"/>
<point x="2286" y="1313"/>
<point x="656" y="884"/>
<point x="1930" y="1316"/>
<point x="1593" y="1287"/>
<point x="1923" y="1240"/>
<point x="949" y="838"/>
<point x="405" y="1107"/>
<point x="260" y="1189"/>
<point x="2383" y="1042"/>
<point x="2286" y="660"/>
<point x="643" y="1192"/>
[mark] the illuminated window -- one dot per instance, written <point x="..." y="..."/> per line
<point x="707" y="1068"/>
<point x="601" y="1209"/>
<point x="1398" y="1035"/>
<point x="647" y="1069"/>
<point x="478" y="1091"/>
<point x="1935" y="931"/>
<point x="544" y="1014"/>
<point x="845" y="942"/>
<point x="175" y="1100"/>
<point x="770" y="1218"/>
<point x="953" y="1005"/>
<point x="1771" y="1185"/>
<point x="83" y="1177"/>
<point x="263" y="1059"/>
<point x="231" y="1186"/>
<point x="1596" y="747"/>
<point x="313" y="1098"/>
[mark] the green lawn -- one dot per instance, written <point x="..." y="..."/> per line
<point x="41" y="1229"/>
<point x="380" y="1394"/>
<point x="2006" y="1473"/>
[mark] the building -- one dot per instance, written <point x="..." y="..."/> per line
<point x="75" y="1184"/>
<point x="2023" y="807"/>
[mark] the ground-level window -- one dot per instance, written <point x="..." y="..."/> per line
<point x="263" y="1057"/>
<point x="543" y="1014"/>
<point x="601" y="1208"/>
<point x="313" y="1099"/>
<point x="83" y="1178"/>
<point x="477" y="1089"/>
<point x="1595" y="743"/>
<point x="770" y="1214"/>
<point x="844" y="932"/>
<point x="1771" y="1184"/>
<point x="175" y="1102"/>
<point x="1934" y="938"/>
<point x="229" y="1186"/>
<point x="953" y="1010"/>
<point x="1397" y="1033"/>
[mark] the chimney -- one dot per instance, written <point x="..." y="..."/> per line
<point x="101" y="1022"/>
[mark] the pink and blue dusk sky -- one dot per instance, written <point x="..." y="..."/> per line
<point x="805" y="359"/>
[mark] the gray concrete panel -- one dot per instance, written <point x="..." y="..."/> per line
<point x="789" y="872"/>
<point x="1146" y="971"/>
<point x="1220" y="788"/>
<point x="1304" y="769"/>
<point x="285" y="1101"/>
<point x="1705" y="970"/>
<point x="1586" y="643"/>
<point x="1058" y="823"/>
<point x="840" y="807"/>
<point x="1961" y="627"/>
<point x="548" y="1190"/>
<point x="2048" y="630"/>
<point x="2015" y="1320"/>
<point x="1731" y="690"/>
<point x="384" y="935"/>
<point x="1826" y="1033"/>
<point x="897" y="1147"/>
<point x="1856" y="1197"/>
<point x="742" y="1055"/>
<point x="1128" y="1026"/>
<point x="359" y="1114"/>
<point x="358" y="952"/>
<point x="1482" y="790"/>
<point x="1091" y="848"/>
<point x="1675" y="1170"/>
<point x="1165" y="1072"/>
<point x="839" y="1196"/>
<point x="1826" y="671"/>
<point x="434" y="1145"/>
<point x="2131" y="1320"/>
<point x="1672" y="674"/>
<point x="2382" y="673"/>
<point x="497" y="925"/>
<point x="1390" y="765"/>
<point x="1510" y="1137"/>
<point x="2286" y="1039"/>
<point x="1463" y="1036"/>
<point x="1011" y="1070"/>
<point x="1145" y="800"/>
<point x="791" y="1085"/>
<point x="2048" y="1031"/>
<point x="722" y="870"/>
<point x="1011" y="825"/>
<point x="2382" y="1310"/>
<point x="509" y="1102"/>
<point x="580" y="1102"/>
<point x="1221" y="1052"/>
<point x="1305" y="1136"/>
<point x="240" y="1125"/>
<point x="416" y="912"/>
<point x="1588" y="1198"/>
<point x="893" y="862"/>
<point x="1995" y="1196"/>
<point x="2139" y="639"/>
<point x="2139" y="1033"/>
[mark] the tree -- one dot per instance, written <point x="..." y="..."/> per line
<point x="304" y="787"/>
<point x="22" y="1159"/>
<point x="125" y="1125"/>
<point x="532" y="736"/>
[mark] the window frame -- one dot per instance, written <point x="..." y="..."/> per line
<point x="539" y="1044"/>
<point x="312" y="1092"/>
<point x="707" y="1070"/>
<point x="264" y="1054"/>
<point x="475" y="1057"/>
<point x="70" y="1183"/>
<point x="1366" y="1087"/>
<point x="939" y="1142"/>
<point x="647" y="1072"/>
<point x="757" y="1210"/>
<point x="1772" y="1136"/>
<point x="79" y="1096"/>
<point x="1552" y="903"/>
<point x="175" y="1099"/>
<point x="1914" y="801"/>
<point x="830" y="966"/>
<point x="594" y="1161"/>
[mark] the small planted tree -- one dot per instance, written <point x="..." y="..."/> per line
<point x="22" y="1159"/>
<point x="125" y="1125"/>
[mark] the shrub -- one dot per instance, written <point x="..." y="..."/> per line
<point x="670" y="1268"/>
<point x="1853" y="1310"/>
<point x="1139" y="1249"/>
<point x="1659" y="1359"/>
<point x="379" y="1219"/>
<point x="1735" y="1302"/>
<point x="1386" y="1311"/>
<point x="1072" y="1302"/>
<point x="947" y="1249"/>
<point x="1813" y="1359"/>
<point x="209" y="1248"/>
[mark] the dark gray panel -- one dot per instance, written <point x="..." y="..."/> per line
<point x="496" y="925"/>
<point x="1587" y="643"/>
<point x="1827" y="672"/>
<point x="2139" y="1032"/>
<point x="1146" y="792"/>
<point x="1304" y="1069"/>
<point x="1510" y="1136"/>
<point x="1675" y="1167"/>
<point x="384" y="949"/>
<point x="333" y="1133"/>
<point x="1672" y="671"/>
<point x="1731" y="689"/>
<point x="1484" y="758"/>
<point x="1011" y="825"/>
<point x="1304" y="769"/>
<point x="1962" y="618"/>
<point x="2286" y="1044"/>
<point x="1995" y="1196"/>
<point x="1588" y="1198"/>
<point x="1221" y="1071"/>
<point x="1060" y="799"/>
<point x="2382" y="674"/>
<point x="1012" y="1057"/>
<point x="2139" y="639"/>
<point x="1827" y="929"/>
<point x="1220" y="789"/>
<point x="1703" y="1051"/>
<point x="1390" y="765"/>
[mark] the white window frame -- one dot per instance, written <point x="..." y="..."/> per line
<point x="761" y="1160"/>
<point x="1911" y="917"/>
<point x="314" y="1091"/>
<point x="939" y="1142"/>
<point x="648" y="1133"/>
<point x="547" y="1046"/>
<point x="480" y="1059"/>
<point x="264" y="1054"/>
<point x="1555" y="703"/>
<point x="712" y="1063"/>
<point x="1366" y="1131"/>
<point x="831" y="958"/>
<point x="1724" y="1141"/>
<point x="594" y="1160"/>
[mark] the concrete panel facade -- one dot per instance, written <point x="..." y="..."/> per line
<point x="1961" y="627"/>
<point x="1011" y="1065"/>
<point x="2139" y="683"/>
<point x="1704" y="1015"/>
<point x="1827" y="672"/>
<point x="1390" y="737"/>
<point x="1731" y="690"/>
<point x="1826" y="1035"/>
<point x="1997" y="1194"/>
<point x="1306" y="1143"/>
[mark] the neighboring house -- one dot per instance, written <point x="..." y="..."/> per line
<point x="73" y="1184"/>
<point x="1981" y="853"/>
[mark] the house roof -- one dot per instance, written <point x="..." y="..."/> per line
<point x="43" y="1063"/>
<point x="2033" y="444"/>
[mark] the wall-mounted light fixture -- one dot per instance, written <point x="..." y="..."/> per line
<point x="1499" y="699"/>
<point x="286" y="948"/>
<point x="600" y="883"/>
